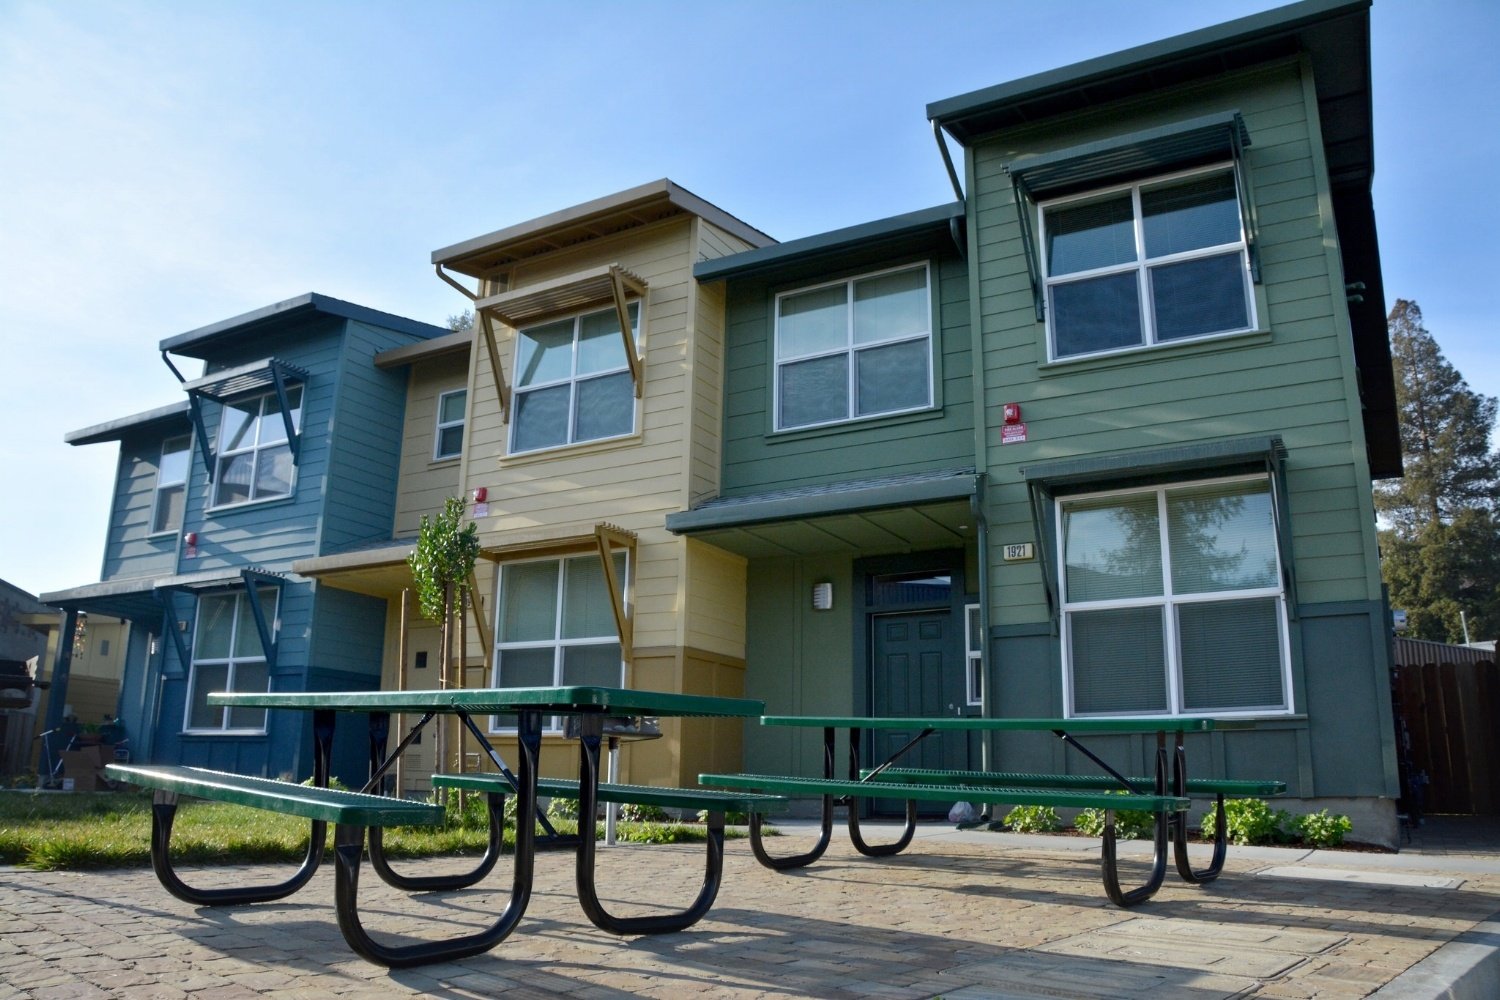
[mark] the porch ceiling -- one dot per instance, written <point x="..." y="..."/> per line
<point x="945" y="525"/>
<point x="379" y="572"/>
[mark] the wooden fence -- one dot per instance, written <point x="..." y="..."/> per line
<point x="1447" y="710"/>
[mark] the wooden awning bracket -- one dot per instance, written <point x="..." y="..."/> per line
<point x="607" y="537"/>
<point x="487" y="329"/>
<point x="627" y="332"/>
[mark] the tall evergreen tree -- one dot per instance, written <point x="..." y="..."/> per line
<point x="1440" y="554"/>
<point x="1445" y="433"/>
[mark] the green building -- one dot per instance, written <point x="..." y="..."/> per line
<point x="1097" y="438"/>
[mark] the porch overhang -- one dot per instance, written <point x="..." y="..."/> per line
<point x="144" y="599"/>
<point x="906" y="513"/>
<point x="381" y="571"/>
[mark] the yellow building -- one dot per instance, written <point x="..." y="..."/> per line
<point x="584" y="406"/>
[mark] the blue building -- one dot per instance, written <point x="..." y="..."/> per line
<point x="286" y="447"/>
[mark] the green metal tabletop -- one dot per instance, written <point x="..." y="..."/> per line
<point x="976" y="723"/>
<point x="478" y="701"/>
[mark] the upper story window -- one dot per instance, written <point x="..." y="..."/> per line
<point x="853" y="349"/>
<point x="449" y="442"/>
<point x="254" y="457"/>
<point x="228" y="656"/>
<point x="1151" y="263"/>
<point x="1173" y="601"/>
<point x="171" y="485"/>
<point x="573" y="382"/>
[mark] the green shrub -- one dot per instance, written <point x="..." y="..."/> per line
<point x="1130" y="824"/>
<point x="1320" y="829"/>
<point x="635" y="812"/>
<point x="731" y="818"/>
<point x="1033" y="819"/>
<point x="561" y="808"/>
<point x="1251" y="821"/>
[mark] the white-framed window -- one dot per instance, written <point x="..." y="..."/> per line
<point x="228" y="656"/>
<point x="449" y="439"/>
<point x="171" y="485"/>
<point x="852" y="349"/>
<point x="254" y="457"/>
<point x="555" y="626"/>
<point x="1157" y="262"/>
<point x="573" y="381"/>
<point x="1172" y="601"/>
<point x="974" y="654"/>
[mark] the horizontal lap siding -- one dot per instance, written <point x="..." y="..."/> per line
<point x="273" y="533"/>
<point x="755" y="459"/>
<point x="424" y="484"/>
<point x="1292" y="382"/>
<point x="632" y="483"/>
<point x="130" y="549"/>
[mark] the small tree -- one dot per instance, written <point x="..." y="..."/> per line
<point x="441" y="565"/>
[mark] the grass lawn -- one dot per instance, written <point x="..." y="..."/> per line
<point x="52" y="831"/>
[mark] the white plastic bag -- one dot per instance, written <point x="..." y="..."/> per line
<point x="962" y="812"/>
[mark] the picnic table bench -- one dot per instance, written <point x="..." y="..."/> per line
<point x="358" y="815"/>
<point x="1167" y="798"/>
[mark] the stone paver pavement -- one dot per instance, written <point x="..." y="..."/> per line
<point x="961" y="917"/>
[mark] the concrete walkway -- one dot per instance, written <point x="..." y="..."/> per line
<point x="960" y="915"/>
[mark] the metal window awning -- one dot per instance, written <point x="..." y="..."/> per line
<point x="570" y="293"/>
<point x="604" y="540"/>
<point x="1130" y="157"/>
<point x="220" y="386"/>
<point x="1050" y="480"/>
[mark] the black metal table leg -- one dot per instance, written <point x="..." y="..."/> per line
<point x="1108" y="860"/>
<point x="1185" y="868"/>
<point x="164" y="810"/>
<point x="349" y="846"/>
<point x="855" y="836"/>
<point x="588" y="895"/>
<point x="825" y="836"/>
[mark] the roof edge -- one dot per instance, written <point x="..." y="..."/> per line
<point x="763" y="258"/>
<point x="663" y="188"/>
<point x="113" y="430"/>
<point x="308" y="302"/>
<point x="1228" y="34"/>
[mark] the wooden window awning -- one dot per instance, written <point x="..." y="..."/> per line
<point x="570" y="293"/>
<point x="605" y="539"/>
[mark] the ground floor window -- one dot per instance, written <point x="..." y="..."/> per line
<point x="228" y="656"/>
<point x="555" y="626"/>
<point x="1173" y="601"/>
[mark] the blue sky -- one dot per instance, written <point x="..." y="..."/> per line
<point x="167" y="165"/>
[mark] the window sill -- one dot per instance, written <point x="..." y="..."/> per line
<point x="444" y="462"/>
<point x="572" y="450"/>
<point x="1155" y="352"/>
<point x="222" y="732"/>
<point x="230" y="508"/>
<point x="857" y="424"/>
<point x="159" y="536"/>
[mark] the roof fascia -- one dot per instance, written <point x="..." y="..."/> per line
<point x="113" y="430"/>
<point x="201" y="342"/>
<point x="621" y="201"/>
<point x="936" y="219"/>
<point x="1264" y="27"/>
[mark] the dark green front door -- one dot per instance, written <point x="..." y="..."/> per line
<point x="918" y="670"/>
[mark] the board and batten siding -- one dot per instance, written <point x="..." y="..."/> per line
<point x="756" y="458"/>
<point x="1292" y="379"/>
<point x="423" y="483"/>
<point x="363" y="441"/>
